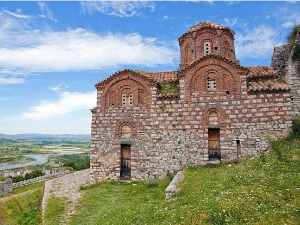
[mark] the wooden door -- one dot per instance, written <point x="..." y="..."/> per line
<point x="125" y="162"/>
<point x="214" y="150"/>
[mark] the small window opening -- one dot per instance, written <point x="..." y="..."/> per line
<point x="227" y="92"/>
<point x="211" y="84"/>
<point x="207" y="49"/>
<point x="216" y="48"/>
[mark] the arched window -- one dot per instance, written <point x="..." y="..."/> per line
<point x="207" y="48"/>
<point x="188" y="54"/>
<point x="127" y="97"/>
<point x="112" y="98"/>
<point x="211" y="84"/>
<point x="213" y="117"/>
<point x="126" y="131"/>
<point x="227" y="49"/>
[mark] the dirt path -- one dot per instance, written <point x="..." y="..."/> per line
<point x="65" y="187"/>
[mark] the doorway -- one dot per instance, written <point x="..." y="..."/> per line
<point x="125" y="162"/>
<point x="214" y="150"/>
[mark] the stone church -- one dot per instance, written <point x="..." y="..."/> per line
<point x="147" y="124"/>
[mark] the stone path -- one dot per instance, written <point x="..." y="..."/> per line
<point x="65" y="187"/>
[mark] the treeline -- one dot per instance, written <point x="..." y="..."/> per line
<point x="31" y="175"/>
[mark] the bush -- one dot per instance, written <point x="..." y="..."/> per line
<point x="296" y="128"/>
<point x="31" y="175"/>
<point x="152" y="182"/>
<point x="2" y="179"/>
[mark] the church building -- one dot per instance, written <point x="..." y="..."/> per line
<point x="147" y="124"/>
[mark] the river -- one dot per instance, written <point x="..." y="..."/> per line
<point x="38" y="160"/>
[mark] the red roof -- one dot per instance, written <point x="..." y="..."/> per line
<point x="160" y="76"/>
<point x="261" y="71"/>
<point x="207" y="24"/>
<point x="268" y="85"/>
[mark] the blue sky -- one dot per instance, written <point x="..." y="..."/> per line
<point x="52" y="53"/>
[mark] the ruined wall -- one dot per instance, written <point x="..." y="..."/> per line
<point x="293" y="79"/>
<point x="289" y="69"/>
<point x="6" y="186"/>
<point x="280" y="59"/>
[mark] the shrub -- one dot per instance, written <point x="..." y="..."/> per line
<point x="2" y="179"/>
<point x="296" y="128"/>
<point x="152" y="182"/>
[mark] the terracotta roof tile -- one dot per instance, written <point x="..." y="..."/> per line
<point x="261" y="71"/>
<point x="169" y="95"/>
<point x="207" y="24"/>
<point x="268" y="85"/>
<point x="168" y="76"/>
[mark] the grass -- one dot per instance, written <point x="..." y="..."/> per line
<point x="264" y="190"/>
<point x="54" y="211"/>
<point x="23" y="209"/>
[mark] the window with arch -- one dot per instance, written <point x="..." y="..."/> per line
<point x="126" y="131"/>
<point x="213" y="117"/>
<point x="207" y="48"/>
<point x="211" y="84"/>
<point x="127" y="97"/>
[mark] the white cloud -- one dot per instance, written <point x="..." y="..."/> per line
<point x="292" y="1"/>
<point x="197" y="1"/>
<point x="17" y="14"/>
<point x="58" y="87"/>
<point x="11" y="80"/>
<point x="116" y="8"/>
<point x="234" y="22"/>
<point x="79" y="49"/>
<point x="256" y="43"/>
<point x="46" y="12"/>
<point x="232" y="2"/>
<point x="4" y="99"/>
<point x="288" y="24"/>
<point x="67" y="102"/>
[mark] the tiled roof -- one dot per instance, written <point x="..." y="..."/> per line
<point x="268" y="85"/>
<point x="169" y="95"/>
<point x="207" y="24"/>
<point x="203" y="24"/>
<point x="159" y="76"/>
<point x="261" y="71"/>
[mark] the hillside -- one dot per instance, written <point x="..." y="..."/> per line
<point x="264" y="190"/>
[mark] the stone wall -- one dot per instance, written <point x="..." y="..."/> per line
<point x="6" y="186"/>
<point x="39" y="179"/>
<point x="293" y="79"/>
<point x="280" y="59"/>
<point x="173" y="132"/>
<point x="289" y="70"/>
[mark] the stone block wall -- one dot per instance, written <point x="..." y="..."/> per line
<point x="173" y="133"/>
<point x="6" y="186"/>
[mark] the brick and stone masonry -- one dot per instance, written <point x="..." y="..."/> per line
<point x="215" y="109"/>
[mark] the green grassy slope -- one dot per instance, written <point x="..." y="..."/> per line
<point x="23" y="209"/>
<point x="265" y="190"/>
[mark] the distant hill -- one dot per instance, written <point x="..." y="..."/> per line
<point x="47" y="136"/>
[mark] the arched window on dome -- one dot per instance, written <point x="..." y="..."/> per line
<point x="207" y="48"/>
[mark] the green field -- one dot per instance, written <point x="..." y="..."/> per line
<point x="24" y="208"/>
<point x="264" y="190"/>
